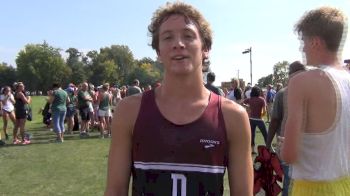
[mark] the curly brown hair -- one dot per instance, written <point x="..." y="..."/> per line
<point x="190" y="14"/>
<point x="328" y="23"/>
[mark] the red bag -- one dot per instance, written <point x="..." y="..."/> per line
<point x="267" y="172"/>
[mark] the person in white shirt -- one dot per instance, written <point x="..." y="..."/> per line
<point x="317" y="129"/>
<point x="7" y="101"/>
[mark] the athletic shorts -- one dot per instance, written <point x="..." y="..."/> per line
<point x="7" y="111"/>
<point x="91" y="108"/>
<point x="104" y="113"/>
<point x="21" y="114"/>
<point x="70" y="112"/>
<point x="84" y="114"/>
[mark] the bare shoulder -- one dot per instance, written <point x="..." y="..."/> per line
<point x="128" y="109"/>
<point x="126" y="113"/>
<point x="308" y="81"/>
<point x="236" y="118"/>
<point x="231" y="108"/>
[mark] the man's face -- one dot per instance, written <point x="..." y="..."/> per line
<point x="180" y="46"/>
<point x="84" y="87"/>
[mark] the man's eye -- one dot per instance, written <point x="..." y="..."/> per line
<point x="167" y="38"/>
<point x="188" y="36"/>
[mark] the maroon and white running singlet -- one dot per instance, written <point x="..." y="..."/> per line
<point x="178" y="160"/>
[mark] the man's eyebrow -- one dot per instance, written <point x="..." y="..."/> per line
<point x="165" y="32"/>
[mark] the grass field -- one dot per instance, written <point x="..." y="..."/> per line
<point x="75" y="167"/>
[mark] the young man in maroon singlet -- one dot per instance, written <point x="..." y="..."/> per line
<point x="174" y="141"/>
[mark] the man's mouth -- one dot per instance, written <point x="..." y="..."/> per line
<point x="179" y="57"/>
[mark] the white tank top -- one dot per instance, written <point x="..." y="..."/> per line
<point x="326" y="155"/>
<point x="8" y="106"/>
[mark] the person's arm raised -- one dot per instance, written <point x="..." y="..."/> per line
<point x="240" y="166"/>
<point x="120" y="154"/>
<point x="26" y="100"/>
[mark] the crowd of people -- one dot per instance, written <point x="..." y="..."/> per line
<point x="82" y="107"/>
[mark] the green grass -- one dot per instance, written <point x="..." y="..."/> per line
<point x="75" y="167"/>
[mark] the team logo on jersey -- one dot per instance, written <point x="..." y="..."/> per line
<point x="209" y="143"/>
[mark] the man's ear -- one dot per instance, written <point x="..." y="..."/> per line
<point x="205" y="53"/>
<point x="322" y="43"/>
<point x="317" y="42"/>
<point x="206" y="62"/>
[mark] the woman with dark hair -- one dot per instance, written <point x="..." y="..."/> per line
<point x="21" y="107"/>
<point x="257" y="107"/>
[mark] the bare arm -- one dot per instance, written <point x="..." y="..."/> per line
<point x="99" y="97"/>
<point x="272" y="131"/>
<point x="264" y="109"/>
<point x="12" y="99"/>
<point x="240" y="166"/>
<point x="68" y="99"/>
<point x="26" y="100"/>
<point x="120" y="160"/>
<point x="8" y="97"/>
<point x="110" y="99"/>
<point x="3" y="101"/>
<point x="276" y="118"/>
<point x="295" y="123"/>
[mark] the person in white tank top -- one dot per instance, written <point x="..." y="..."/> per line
<point x="7" y="100"/>
<point x="317" y="132"/>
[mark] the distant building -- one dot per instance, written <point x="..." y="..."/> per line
<point x="228" y="84"/>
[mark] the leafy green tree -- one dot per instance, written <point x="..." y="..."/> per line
<point x="123" y="60"/>
<point x="154" y="69"/>
<point x="103" y="72"/>
<point x="76" y="65"/>
<point x="146" y="74"/>
<point x="280" y="73"/>
<point x="264" y="81"/>
<point x="8" y="75"/>
<point x="40" y="65"/>
<point x="73" y="57"/>
<point x="144" y="61"/>
<point x="91" y="57"/>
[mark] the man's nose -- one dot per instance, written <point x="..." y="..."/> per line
<point x="178" y="43"/>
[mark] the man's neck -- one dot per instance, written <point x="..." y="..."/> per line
<point x="328" y="59"/>
<point x="187" y="87"/>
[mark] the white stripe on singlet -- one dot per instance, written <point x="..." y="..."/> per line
<point x="179" y="167"/>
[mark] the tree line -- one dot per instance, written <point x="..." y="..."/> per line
<point x="40" y="65"/>
<point x="279" y="75"/>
